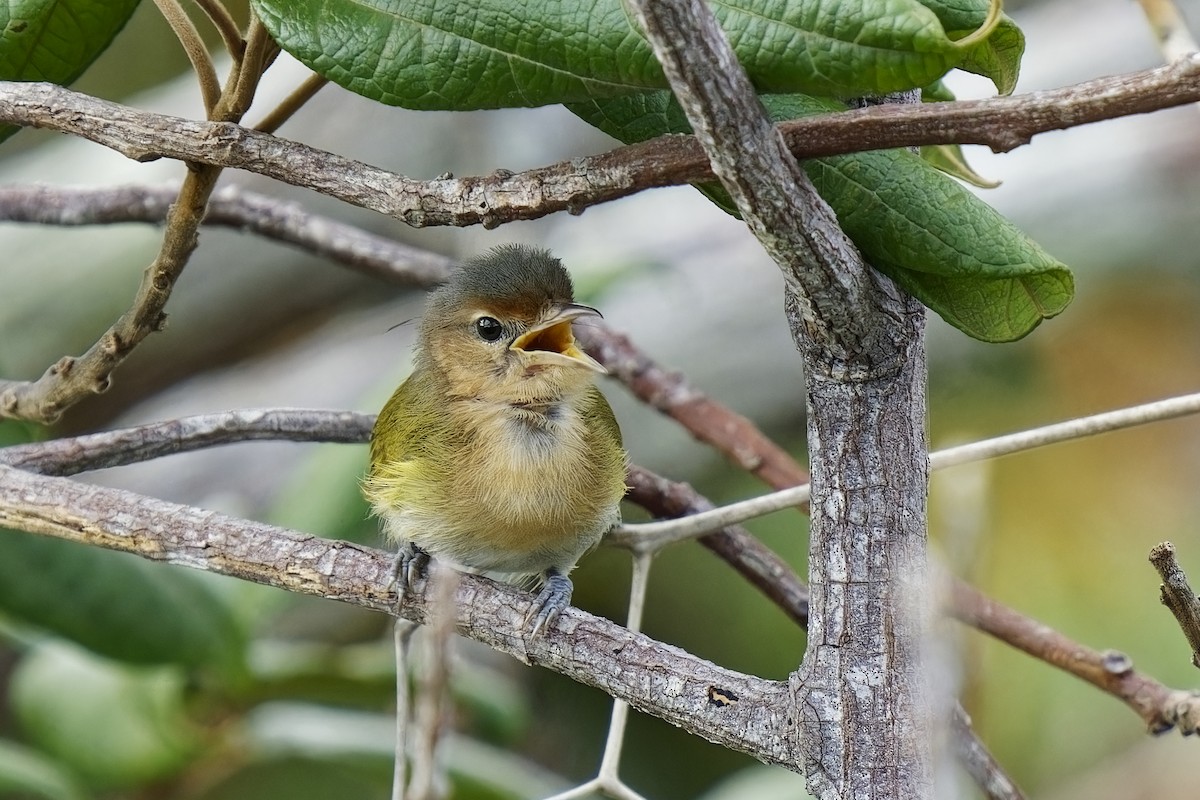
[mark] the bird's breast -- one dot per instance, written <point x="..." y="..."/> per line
<point x="528" y="492"/>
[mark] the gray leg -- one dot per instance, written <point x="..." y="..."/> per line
<point x="550" y="602"/>
<point x="412" y="564"/>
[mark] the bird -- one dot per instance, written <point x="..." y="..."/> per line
<point x="498" y="454"/>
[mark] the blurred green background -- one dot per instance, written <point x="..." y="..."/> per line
<point x="266" y="695"/>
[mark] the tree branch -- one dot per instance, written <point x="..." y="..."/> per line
<point x="71" y="456"/>
<point x="1178" y="596"/>
<point x="980" y="763"/>
<point x="861" y="695"/>
<point x="1002" y="123"/>
<point x="656" y="678"/>
<point x="761" y="566"/>
<point x="1161" y="707"/>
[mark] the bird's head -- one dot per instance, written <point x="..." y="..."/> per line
<point x="500" y="330"/>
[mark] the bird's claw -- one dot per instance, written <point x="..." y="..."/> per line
<point x="411" y="567"/>
<point x="550" y="602"/>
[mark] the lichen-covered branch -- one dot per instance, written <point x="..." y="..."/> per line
<point x="861" y="696"/>
<point x="1177" y="595"/>
<point x="71" y="456"/>
<point x="653" y="677"/>
<point x="1002" y="123"/>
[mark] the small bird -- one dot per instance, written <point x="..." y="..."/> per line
<point x="498" y="454"/>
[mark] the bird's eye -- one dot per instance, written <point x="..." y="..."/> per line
<point x="488" y="329"/>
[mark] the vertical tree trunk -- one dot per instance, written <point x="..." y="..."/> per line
<point x="861" y="694"/>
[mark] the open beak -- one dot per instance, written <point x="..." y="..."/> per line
<point x="551" y="341"/>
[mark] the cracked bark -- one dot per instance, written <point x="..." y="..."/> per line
<point x="859" y="721"/>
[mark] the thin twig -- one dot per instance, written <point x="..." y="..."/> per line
<point x="185" y="30"/>
<point x="71" y="456"/>
<point x="1161" y="707"/>
<point x="585" y="648"/>
<point x="292" y="103"/>
<point x="608" y="779"/>
<point x="658" y="534"/>
<point x="1177" y="595"/>
<point x="225" y="24"/>
<point x="756" y="562"/>
<point x="71" y="379"/>
<point x="1002" y="123"/>
<point x="402" y="635"/>
<point x="243" y="81"/>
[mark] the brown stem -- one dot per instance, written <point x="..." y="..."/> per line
<point x="292" y="103"/>
<point x="1161" y="707"/>
<point x="184" y="30"/>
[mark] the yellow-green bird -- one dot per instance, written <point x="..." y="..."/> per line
<point x="498" y="454"/>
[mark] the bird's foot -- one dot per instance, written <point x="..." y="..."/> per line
<point x="410" y="568"/>
<point x="550" y="602"/>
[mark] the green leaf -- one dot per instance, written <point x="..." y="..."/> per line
<point x="430" y="54"/>
<point x="28" y="773"/>
<point x="949" y="159"/>
<point x="949" y="249"/>
<point x="117" y="604"/>
<point x="56" y="40"/>
<point x="113" y="725"/>
<point x="998" y="56"/>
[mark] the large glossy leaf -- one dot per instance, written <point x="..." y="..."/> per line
<point x="951" y="250"/>
<point x="56" y="40"/>
<point x="434" y="54"/>
<point x="117" y="604"/>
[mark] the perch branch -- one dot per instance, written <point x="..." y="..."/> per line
<point x="1177" y="595"/>
<point x="1002" y="123"/>
<point x="653" y="677"/>
<point x="71" y="456"/>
